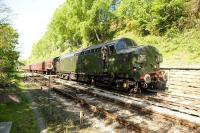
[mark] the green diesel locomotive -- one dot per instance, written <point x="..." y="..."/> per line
<point x="120" y="63"/>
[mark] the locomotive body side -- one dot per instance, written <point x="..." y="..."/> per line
<point x="89" y="62"/>
<point x="66" y="65"/>
<point x="119" y="62"/>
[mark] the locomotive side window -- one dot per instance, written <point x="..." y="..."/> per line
<point x="98" y="50"/>
<point x="92" y="51"/>
<point x="82" y="53"/>
<point x="88" y="51"/>
<point x="112" y="49"/>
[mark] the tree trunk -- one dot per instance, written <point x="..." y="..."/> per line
<point x="97" y="36"/>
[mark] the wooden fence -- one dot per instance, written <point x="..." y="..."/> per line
<point x="184" y="78"/>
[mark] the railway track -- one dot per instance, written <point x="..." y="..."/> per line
<point x="175" y="102"/>
<point x="127" y="118"/>
<point x="93" y="105"/>
<point x="186" y="117"/>
<point x="112" y="111"/>
<point x="152" y="109"/>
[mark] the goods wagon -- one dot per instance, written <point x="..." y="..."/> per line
<point x="26" y="68"/>
<point x="38" y="67"/>
<point x="50" y="66"/>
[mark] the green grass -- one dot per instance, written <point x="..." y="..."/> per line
<point x="19" y="113"/>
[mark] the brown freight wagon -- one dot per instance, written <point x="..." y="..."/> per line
<point x="45" y="67"/>
<point x="26" y="68"/>
<point x="38" y="68"/>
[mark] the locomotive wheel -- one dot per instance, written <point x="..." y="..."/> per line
<point x="68" y="77"/>
<point x="135" y="90"/>
<point x="92" y="81"/>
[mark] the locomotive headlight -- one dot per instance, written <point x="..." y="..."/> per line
<point x="147" y="78"/>
<point x="142" y="58"/>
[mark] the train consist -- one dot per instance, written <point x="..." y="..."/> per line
<point x="120" y="63"/>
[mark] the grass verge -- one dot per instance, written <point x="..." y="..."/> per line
<point x="16" y="108"/>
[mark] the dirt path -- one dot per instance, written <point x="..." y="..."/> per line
<point x="40" y="121"/>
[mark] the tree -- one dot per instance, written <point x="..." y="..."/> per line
<point x="80" y="23"/>
<point x="75" y="24"/>
<point x="8" y="55"/>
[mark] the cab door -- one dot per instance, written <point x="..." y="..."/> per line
<point x="104" y="58"/>
<point x="111" y="60"/>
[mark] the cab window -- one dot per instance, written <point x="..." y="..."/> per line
<point x="121" y="45"/>
<point x="130" y="43"/>
<point x="124" y="44"/>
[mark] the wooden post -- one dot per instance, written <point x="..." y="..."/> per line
<point x="49" y="83"/>
<point x="81" y="117"/>
<point x="50" y="108"/>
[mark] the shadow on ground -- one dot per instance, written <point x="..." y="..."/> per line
<point x="58" y="117"/>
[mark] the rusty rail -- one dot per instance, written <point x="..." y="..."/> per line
<point x="144" y="110"/>
<point x="95" y="109"/>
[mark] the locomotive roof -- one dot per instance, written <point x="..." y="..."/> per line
<point x="94" y="47"/>
<point x="69" y="54"/>
<point x="105" y="44"/>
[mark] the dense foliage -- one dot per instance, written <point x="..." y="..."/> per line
<point x="8" y="54"/>
<point x="80" y="23"/>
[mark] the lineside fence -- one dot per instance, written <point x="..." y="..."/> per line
<point x="183" y="78"/>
